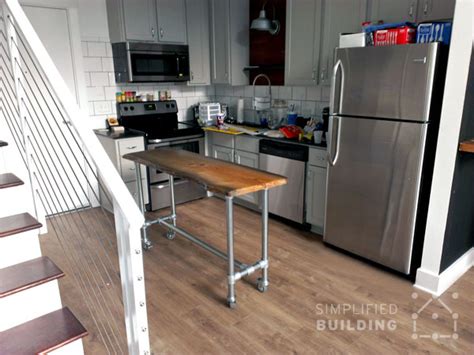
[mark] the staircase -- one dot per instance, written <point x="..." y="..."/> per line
<point x="32" y="319"/>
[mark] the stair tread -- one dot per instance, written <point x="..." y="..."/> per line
<point x="43" y="334"/>
<point x="28" y="274"/>
<point x="9" y="180"/>
<point x="18" y="223"/>
<point x="3" y="144"/>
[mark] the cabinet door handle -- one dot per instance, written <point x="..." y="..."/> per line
<point x="152" y="32"/>
<point x="192" y="76"/>
<point x="323" y="74"/>
<point x="312" y="75"/>
<point x="161" y="32"/>
<point x="410" y="12"/>
<point x="425" y="7"/>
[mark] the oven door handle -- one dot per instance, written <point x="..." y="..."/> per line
<point x="167" y="184"/>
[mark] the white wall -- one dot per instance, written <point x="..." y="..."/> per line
<point x="93" y="20"/>
<point x="448" y="141"/>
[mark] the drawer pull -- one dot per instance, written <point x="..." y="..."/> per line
<point x="132" y="147"/>
<point x="132" y="169"/>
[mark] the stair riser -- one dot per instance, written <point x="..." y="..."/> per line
<point x="74" y="348"/>
<point x="26" y="305"/>
<point x="16" y="200"/>
<point x="19" y="248"/>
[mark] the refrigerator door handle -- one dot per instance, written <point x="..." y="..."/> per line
<point x="332" y="161"/>
<point x="333" y="87"/>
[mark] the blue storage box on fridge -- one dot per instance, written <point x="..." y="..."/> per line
<point x="434" y="32"/>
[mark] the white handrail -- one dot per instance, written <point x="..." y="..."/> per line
<point x="107" y="171"/>
<point x="128" y="217"/>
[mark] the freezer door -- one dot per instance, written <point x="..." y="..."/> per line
<point x="384" y="82"/>
<point x="373" y="186"/>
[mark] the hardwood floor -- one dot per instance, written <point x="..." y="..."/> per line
<point x="186" y="291"/>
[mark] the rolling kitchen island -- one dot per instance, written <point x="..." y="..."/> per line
<point x="219" y="177"/>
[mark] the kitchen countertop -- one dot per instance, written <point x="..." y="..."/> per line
<point x="285" y="140"/>
<point x="467" y="146"/>
<point x="118" y="135"/>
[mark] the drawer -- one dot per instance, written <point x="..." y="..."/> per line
<point x="127" y="167"/>
<point x="317" y="157"/>
<point x="222" y="139"/>
<point x="247" y="143"/>
<point x="132" y="187"/>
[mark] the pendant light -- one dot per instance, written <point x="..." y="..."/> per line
<point x="262" y="23"/>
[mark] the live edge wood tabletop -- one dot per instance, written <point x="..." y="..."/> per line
<point x="216" y="175"/>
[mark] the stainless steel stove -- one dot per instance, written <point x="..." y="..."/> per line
<point x="158" y="120"/>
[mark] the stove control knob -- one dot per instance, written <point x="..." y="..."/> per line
<point x="125" y="108"/>
<point x="167" y="105"/>
<point x="172" y="105"/>
<point x="132" y="108"/>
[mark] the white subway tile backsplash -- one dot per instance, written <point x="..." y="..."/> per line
<point x="99" y="79"/>
<point x="108" y="50"/>
<point x="96" y="49"/>
<point x="92" y="64"/>
<point x="210" y="90"/>
<point x="102" y="107"/>
<point x="111" y="78"/>
<point x="285" y="92"/>
<point x="107" y="64"/>
<point x="299" y="93"/>
<point x="325" y="93"/>
<point x="110" y="92"/>
<point x="239" y="91"/>
<point x="95" y="93"/>
<point x="200" y="91"/>
<point x="313" y="93"/>
<point x="308" y="108"/>
<point x="87" y="79"/>
<point x="248" y="91"/>
<point x="187" y="91"/>
<point x="85" y="51"/>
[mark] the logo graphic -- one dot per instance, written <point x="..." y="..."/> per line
<point x="423" y="309"/>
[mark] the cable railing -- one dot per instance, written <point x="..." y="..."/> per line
<point x="70" y="176"/>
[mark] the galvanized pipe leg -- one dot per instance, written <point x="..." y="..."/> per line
<point x="262" y="284"/>
<point x="146" y="244"/>
<point x="230" y="253"/>
<point x="170" y="234"/>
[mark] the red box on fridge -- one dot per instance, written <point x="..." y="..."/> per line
<point x="401" y="35"/>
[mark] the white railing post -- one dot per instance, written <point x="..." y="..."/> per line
<point x="133" y="283"/>
<point x="20" y="103"/>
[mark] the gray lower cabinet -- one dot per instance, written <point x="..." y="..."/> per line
<point x="116" y="149"/>
<point x="197" y="24"/>
<point x="315" y="196"/>
<point x="223" y="153"/>
<point x="250" y="160"/>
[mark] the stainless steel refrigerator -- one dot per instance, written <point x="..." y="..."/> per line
<point x="380" y="113"/>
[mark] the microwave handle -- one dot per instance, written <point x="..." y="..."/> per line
<point x="177" y="65"/>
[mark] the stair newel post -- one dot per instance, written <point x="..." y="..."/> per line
<point x="19" y="76"/>
<point x="133" y="283"/>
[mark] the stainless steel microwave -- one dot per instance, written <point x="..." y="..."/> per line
<point x="138" y="62"/>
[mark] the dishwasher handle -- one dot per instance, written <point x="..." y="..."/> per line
<point x="284" y="150"/>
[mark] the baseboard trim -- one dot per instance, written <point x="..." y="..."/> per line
<point x="437" y="284"/>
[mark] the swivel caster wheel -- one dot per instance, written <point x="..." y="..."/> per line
<point x="146" y="244"/>
<point x="232" y="304"/>
<point x="261" y="286"/>
<point x="170" y="235"/>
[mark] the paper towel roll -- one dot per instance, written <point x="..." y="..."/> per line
<point x="240" y="111"/>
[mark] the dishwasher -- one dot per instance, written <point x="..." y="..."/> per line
<point x="289" y="160"/>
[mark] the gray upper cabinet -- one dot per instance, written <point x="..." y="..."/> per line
<point x="340" y="16"/>
<point x="303" y="34"/>
<point x="229" y="27"/>
<point x="197" y="24"/>
<point x="147" y="20"/>
<point x="139" y="20"/>
<point x="171" y="16"/>
<point x="393" y="11"/>
<point x="432" y="10"/>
